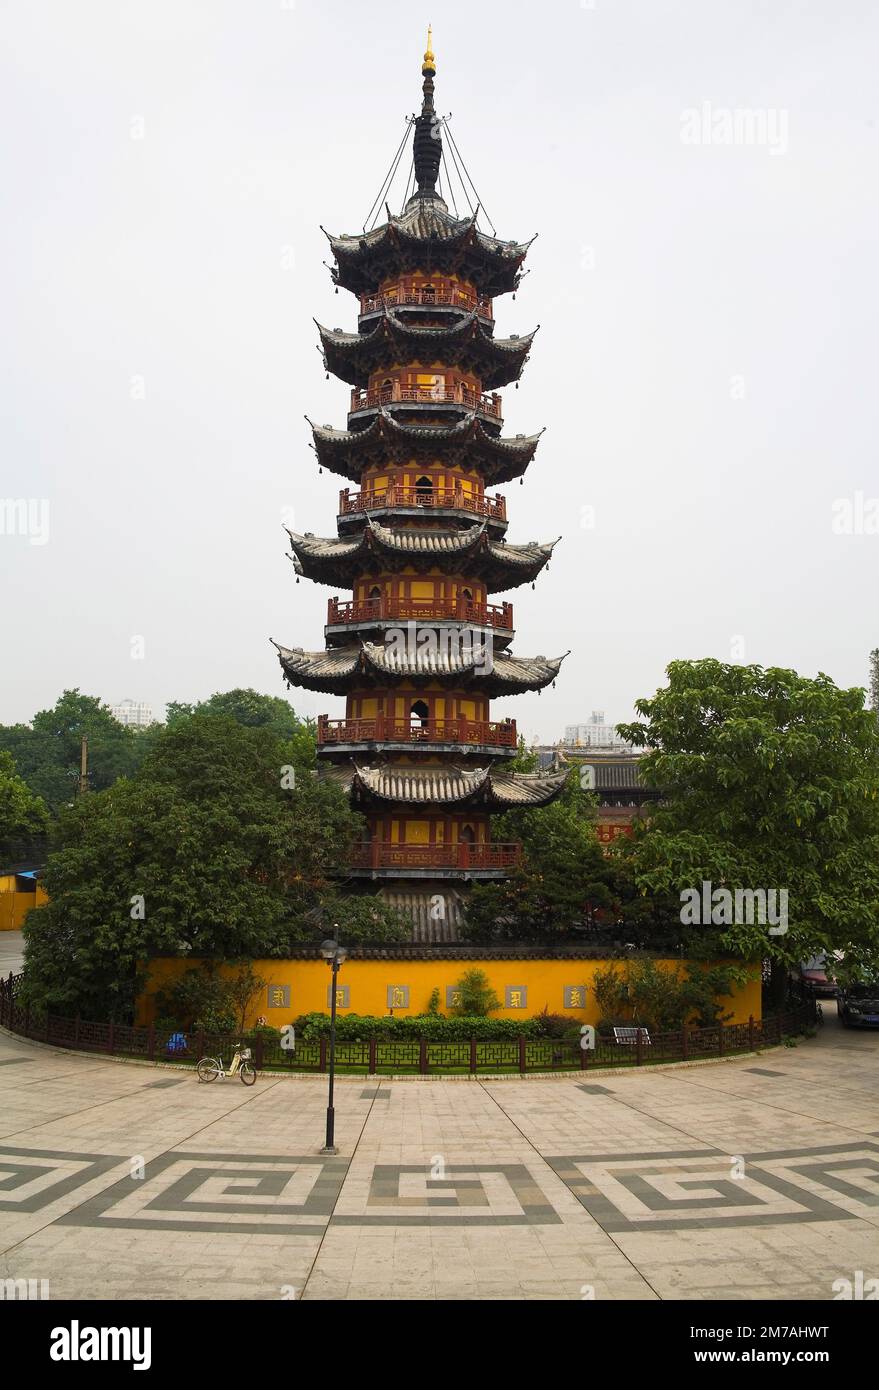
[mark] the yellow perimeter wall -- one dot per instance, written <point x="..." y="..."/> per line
<point x="368" y="983"/>
<point x="14" y="907"/>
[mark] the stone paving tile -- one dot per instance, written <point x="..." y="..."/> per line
<point x="498" y="1189"/>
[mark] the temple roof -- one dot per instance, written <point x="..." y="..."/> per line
<point x="387" y="440"/>
<point x="334" y="561"/>
<point x="448" y="784"/>
<point x="425" y="236"/>
<point x="336" y="669"/>
<point x="466" y="344"/>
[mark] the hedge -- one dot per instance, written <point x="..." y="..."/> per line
<point x="431" y="1027"/>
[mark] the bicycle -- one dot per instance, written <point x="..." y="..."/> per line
<point x="209" y="1068"/>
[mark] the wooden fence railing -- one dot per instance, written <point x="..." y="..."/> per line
<point x="418" y="1055"/>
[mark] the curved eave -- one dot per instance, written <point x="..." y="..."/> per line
<point x="433" y="240"/>
<point x="333" y="671"/>
<point x="512" y="789"/>
<point x="354" y="356"/>
<point x="508" y="674"/>
<point x="329" y="671"/>
<point x="446" y="785"/>
<point x="386" y="440"/>
<point x="335" y="562"/>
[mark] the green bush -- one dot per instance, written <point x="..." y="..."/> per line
<point x="556" y="1025"/>
<point x="203" y="1000"/>
<point x="476" y="996"/>
<point x="414" y="1027"/>
<point x="641" y="993"/>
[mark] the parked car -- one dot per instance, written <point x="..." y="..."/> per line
<point x="858" y="1005"/>
<point x="813" y="976"/>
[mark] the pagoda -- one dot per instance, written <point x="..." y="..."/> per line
<point x="417" y="649"/>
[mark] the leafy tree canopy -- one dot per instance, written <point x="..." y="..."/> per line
<point x="253" y="710"/>
<point x="564" y="882"/>
<point x="768" y="780"/>
<point x="209" y="849"/>
<point x="47" y="751"/>
<point x="24" y="820"/>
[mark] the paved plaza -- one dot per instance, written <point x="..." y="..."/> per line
<point x="754" y="1178"/>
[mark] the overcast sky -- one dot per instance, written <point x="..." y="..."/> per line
<point x="706" y="366"/>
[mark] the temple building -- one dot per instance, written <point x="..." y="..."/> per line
<point x="415" y="639"/>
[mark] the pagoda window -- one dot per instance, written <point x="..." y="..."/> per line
<point x="375" y="591"/>
<point x="424" y="488"/>
<point x="467" y="835"/>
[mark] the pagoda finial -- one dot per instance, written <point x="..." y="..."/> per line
<point x="429" y="65"/>
<point x="427" y="145"/>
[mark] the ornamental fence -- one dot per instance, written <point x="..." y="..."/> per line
<point x="419" y="1056"/>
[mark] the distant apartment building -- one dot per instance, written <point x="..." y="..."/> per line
<point x="133" y="712"/>
<point x="597" y="733"/>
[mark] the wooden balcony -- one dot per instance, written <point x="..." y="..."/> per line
<point x="495" y="508"/>
<point x="403" y="296"/>
<point x="499" y="615"/>
<point x="385" y="729"/>
<point x="362" y="399"/>
<point x="379" y="855"/>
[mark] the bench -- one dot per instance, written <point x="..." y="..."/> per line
<point x="629" y="1036"/>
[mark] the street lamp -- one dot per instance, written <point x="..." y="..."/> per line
<point x="335" y="956"/>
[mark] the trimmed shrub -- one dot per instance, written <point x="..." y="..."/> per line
<point x="412" y="1028"/>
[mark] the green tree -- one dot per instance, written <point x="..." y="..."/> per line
<point x="640" y="991"/>
<point x="203" y="852"/>
<point x="476" y="998"/>
<point x="47" y="751"/>
<point x="254" y="711"/>
<point x="24" y="820"/>
<point x="768" y="780"/>
<point x="204" y="998"/>
<point x="564" y="883"/>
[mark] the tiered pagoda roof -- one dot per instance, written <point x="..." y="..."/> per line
<point x="425" y="236"/>
<point x="450" y="784"/>
<point x="332" y="669"/>
<point x="467" y="344"/>
<point x="467" y="441"/>
<point x="337" y="562"/>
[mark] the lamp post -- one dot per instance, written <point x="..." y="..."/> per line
<point x="334" y="955"/>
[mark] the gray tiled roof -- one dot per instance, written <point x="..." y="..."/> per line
<point x="447" y="783"/>
<point x="427" y="220"/>
<point x="348" y="452"/>
<point x="420" y="908"/>
<point x="526" y="672"/>
<point x="320" y="557"/>
<point x="352" y="356"/>
<point x="331" y="670"/>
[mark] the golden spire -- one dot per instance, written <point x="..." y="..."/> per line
<point x="429" y="65"/>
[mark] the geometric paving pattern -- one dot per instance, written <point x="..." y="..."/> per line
<point x="478" y="1194"/>
<point x="31" y="1179"/>
<point x="675" y="1190"/>
<point x="217" y="1193"/>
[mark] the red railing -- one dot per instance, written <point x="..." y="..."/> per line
<point x="379" y="855"/>
<point x="422" y="611"/>
<point x="363" y="399"/>
<point x="385" y="729"/>
<point x="398" y="496"/>
<point x="454" y="298"/>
